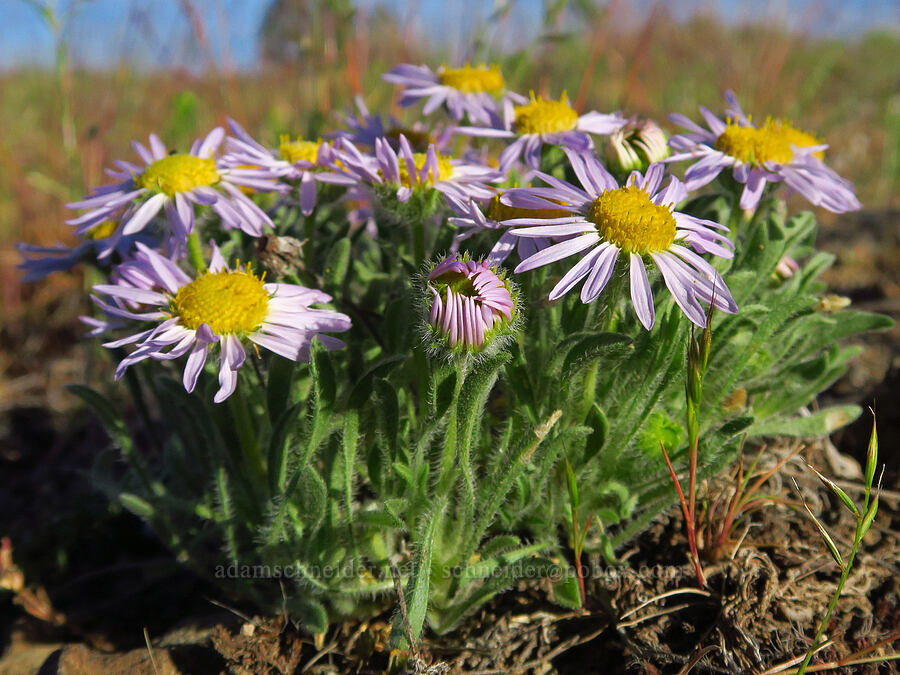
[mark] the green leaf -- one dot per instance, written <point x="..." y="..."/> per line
<point x="278" y="444"/>
<point x="103" y="472"/>
<point x="405" y="473"/>
<point x="110" y="417"/>
<point x="416" y="594"/>
<point x="309" y="498"/>
<point x="137" y="505"/>
<point x="278" y="387"/>
<point x="590" y="347"/>
<point x="388" y="411"/>
<point x="838" y="492"/>
<point x="363" y="389"/>
<point x="869" y="518"/>
<point x="325" y="389"/>
<point x="572" y="485"/>
<point x="380" y="518"/>
<point x="567" y="593"/>
<point x="659" y="428"/>
<point x="337" y="264"/>
<point x="530" y="568"/>
<point x="323" y="374"/>
<point x="506" y="473"/>
<point x="817" y="424"/>
<point x="444" y="384"/>
<point x="829" y="542"/>
<point x="497" y="545"/>
<point x="349" y="441"/>
<point x="310" y="612"/>
<point x="597" y="421"/>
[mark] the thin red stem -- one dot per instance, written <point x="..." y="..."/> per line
<point x="689" y="523"/>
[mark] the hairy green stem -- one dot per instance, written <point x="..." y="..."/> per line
<point x="195" y="251"/>
<point x="451" y="435"/>
<point x="418" y="241"/>
<point x="247" y="435"/>
<point x="309" y="228"/>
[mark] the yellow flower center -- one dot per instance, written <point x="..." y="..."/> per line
<point x="103" y="230"/>
<point x="299" y="150"/>
<point x="445" y="169"/>
<point x="627" y="218"/>
<point x="497" y="210"/>
<point x="471" y="80"/>
<point x="545" y="116"/>
<point x="769" y="143"/>
<point x="243" y="188"/>
<point x="178" y="173"/>
<point x="228" y="302"/>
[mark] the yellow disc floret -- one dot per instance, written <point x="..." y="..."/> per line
<point x="178" y="173"/>
<point x="228" y="302"/>
<point x="769" y="143"/>
<point x="545" y="116"/>
<point x="103" y="230"/>
<point x="471" y="80"/>
<point x="497" y="210"/>
<point x="445" y="169"/>
<point x="299" y="150"/>
<point x="627" y="218"/>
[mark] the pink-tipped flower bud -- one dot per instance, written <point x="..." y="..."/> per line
<point x="470" y="305"/>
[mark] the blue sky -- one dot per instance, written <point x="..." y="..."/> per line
<point x="157" y="32"/>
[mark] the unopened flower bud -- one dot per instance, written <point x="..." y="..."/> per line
<point x="636" y="146"/>
<point x="786" y="268"/>
<point x="470" y="305"/>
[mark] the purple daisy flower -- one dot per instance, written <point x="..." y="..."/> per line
<point x="297" y="160"/>
<point x="469" y="302"/>
<point x="468" y="90"/>
<point x="223" y="306"/>
<point x="540" y="121"/>
<point x="175" y="183"/>
<point x="39" y="262"/>
<point x="770" y="153"/>
<point x="365" y="128"/>
<point x="408" y="170"/>
<point x="636" y="221"/>
<point x="473" y="217"/>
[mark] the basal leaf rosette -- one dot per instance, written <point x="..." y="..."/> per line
<point x="472" y="308"/>
<point x="221" y="306"/>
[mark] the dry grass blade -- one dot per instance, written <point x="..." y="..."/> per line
<point x="667" y="594"/>
<point x="696" y="658"/>
<point x="150" y="651"/>
<point x="782" y="667"/>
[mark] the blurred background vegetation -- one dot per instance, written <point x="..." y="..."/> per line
<point x="66" y="115"/>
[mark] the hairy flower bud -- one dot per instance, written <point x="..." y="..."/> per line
<point x="636" y="146"/>
<point x="470" y="305"/>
